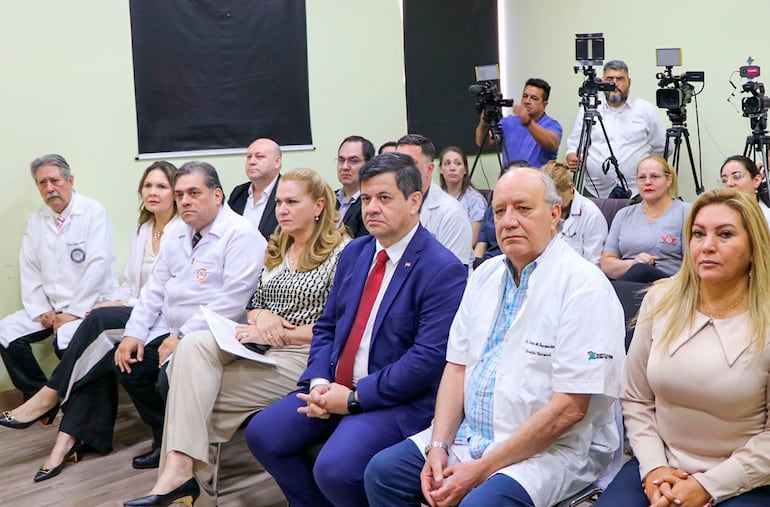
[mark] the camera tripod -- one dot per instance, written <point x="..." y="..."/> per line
<point x="590" y="116"/>
<point x="759" y="142"/>
<point x="496" y="132"/>
<point x="677" y="131"/>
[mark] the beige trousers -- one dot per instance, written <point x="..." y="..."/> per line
<point x="212" y="392"/>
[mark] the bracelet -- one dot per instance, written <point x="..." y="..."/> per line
<point x="436" y="443"/>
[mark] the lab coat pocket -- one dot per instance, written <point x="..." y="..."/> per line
<point x="205" y="273"/>
<point x="77" y="251"/>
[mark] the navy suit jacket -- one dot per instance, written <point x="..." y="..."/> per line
<point x="237" y="202"/>
<point x="408" y="348"/>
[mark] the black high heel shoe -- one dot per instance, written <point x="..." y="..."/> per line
<point x="10" y="421"/>
<point x="73" y="455"/>
<point x="185" y="494"/>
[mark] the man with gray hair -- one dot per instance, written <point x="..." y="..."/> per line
<point x="212" y="259"/>
<point x="635" y="129"/>
<point x="66" y="264"/>
<point x="524" y="412"/>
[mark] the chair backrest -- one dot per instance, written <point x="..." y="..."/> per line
<point x="630" y="295"/>
<point x="609" y="207"/>
<point x="487" y="193"/>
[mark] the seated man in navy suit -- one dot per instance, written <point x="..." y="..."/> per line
<point x="378" y="348"/>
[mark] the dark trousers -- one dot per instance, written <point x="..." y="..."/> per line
<point x="23" y="368"/>
<point x="393" y="479"/>
<point x="141" y="385"/>
<point x="91" y="409"/>
<point x="626" y="490"/>
<point x="278" y="437"/>
<point x="642" y="273"/>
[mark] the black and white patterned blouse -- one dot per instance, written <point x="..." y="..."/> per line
<point x="297" y="297"/>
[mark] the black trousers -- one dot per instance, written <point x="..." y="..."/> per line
<point x="142" y="386"/>
<point x="23" y="368"/>
<point x="91" y="409"/>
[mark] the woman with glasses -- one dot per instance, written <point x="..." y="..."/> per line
<point x="645" y="240"/>
<point x="741" y="173"/>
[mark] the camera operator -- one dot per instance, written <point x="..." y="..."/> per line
<point x="529" y="134"/>
<point x="634" y="127"/>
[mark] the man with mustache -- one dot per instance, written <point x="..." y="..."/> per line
<point x="528" y="134"/>
<point x="635" y="130"/>
<point x="67" y="262"/>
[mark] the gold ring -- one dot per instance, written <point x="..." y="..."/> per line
<point x="244" y="335"/>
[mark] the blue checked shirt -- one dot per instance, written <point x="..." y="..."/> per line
<point x="477" y="428"/>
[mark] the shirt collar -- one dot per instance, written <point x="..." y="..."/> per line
<point x="266" y="192"/>
<point x="397" y="249"/>
<point x="529" y="268"/>
<point x="341" y="196"/>
<point x="733" y="343"/>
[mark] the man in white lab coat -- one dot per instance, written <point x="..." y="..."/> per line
<point x="213" y="259"/>
<point x="67" y="262"/>
<point x="524" y="412"/>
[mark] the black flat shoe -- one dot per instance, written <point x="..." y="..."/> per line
<point x="185" y="494"/>
<point x="47" y="418"/>
<point x="147" y="460"/>
<point x="74" y="454"/>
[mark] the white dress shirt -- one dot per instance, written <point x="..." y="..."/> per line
<point x="635" y="130"/>
<point x="253" y="211"/>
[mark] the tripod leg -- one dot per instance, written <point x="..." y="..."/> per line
<point x="698" y="185"/>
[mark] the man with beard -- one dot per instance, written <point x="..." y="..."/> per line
<point x="67" y="262"/>
<point x="528" y="134"/>
<point x="635" y="130"/>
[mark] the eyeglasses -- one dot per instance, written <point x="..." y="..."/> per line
<point x="351" y="161"/>
<point x="735" y="176"/>
<point x="651" y="177"/>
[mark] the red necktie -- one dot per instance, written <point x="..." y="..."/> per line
<point x="372" y="287"/>
<point x="59" y="222"/>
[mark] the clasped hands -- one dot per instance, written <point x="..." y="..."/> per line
<point x="324" y="400"/>
<point x="266" y="328"/>
<point x="667" y="486"/>
<point x="445" y="486"/>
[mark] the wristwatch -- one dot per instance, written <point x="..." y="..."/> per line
<point x="434" y="444"/>
<point x="353" y="406"/>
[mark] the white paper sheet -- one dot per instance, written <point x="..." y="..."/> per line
<point x="223" y="330"/>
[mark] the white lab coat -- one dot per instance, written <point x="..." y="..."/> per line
<point x="585" y="229"/>
<point x="128" y="292"/>
<point x="220" y="274"/>
<point x="65" y="270"/>
<point x="571" y="311"/>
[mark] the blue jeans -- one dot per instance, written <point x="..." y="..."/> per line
<point x="625" y="489"/>
<point x="392" y="478"/>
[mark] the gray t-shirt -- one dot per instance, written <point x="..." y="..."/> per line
<point x="631" y="234"/>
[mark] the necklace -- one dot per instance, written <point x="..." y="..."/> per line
<point x="157" y="234"/>
<point x="648" y="210"/>
<point x="715" y="314"/>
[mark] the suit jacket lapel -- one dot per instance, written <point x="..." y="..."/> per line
<point x="268" y="222"/>
<point x="405" y="266"/>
